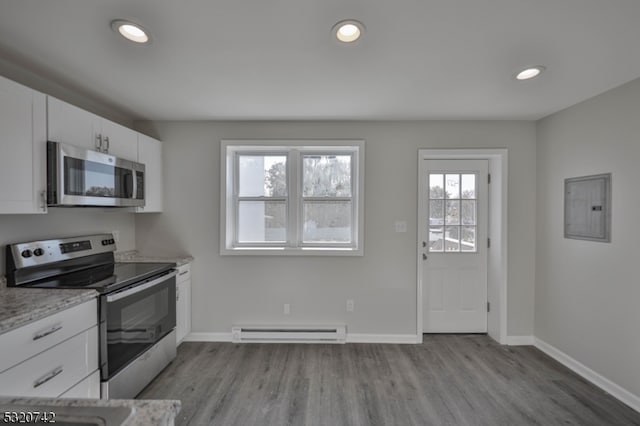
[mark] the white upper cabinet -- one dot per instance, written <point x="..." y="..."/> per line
<point x="75" y="126"/>
<point x="22" y="149"/>
<point x="119" y="141"/>
<point x="150" y="153"/>
<point x="72" y="125"/>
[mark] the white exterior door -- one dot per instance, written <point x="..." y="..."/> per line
<point x="453" y="226"/>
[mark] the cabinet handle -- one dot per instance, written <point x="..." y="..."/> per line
<point x="43" y="200"/>
<point x="106" y="142"/>
<point x="98" y="142"/>
<point x="44" y="379"/>
<point x="183" y="273"/>
<point x="52" y="330"/>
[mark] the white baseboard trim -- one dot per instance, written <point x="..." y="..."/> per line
<point x="602" y="382"/>
<point x="383" y="338"/>
<point x="520" y="340"/>
<point x="351" y="338"/>
<point x="208" y="337"/>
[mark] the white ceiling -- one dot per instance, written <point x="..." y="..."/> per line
<point x="276" y="59"/>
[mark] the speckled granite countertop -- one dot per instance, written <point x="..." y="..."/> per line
<point x="133" y="256"/>
<point x="19" y="306"/>
<point x="147" y="412"/>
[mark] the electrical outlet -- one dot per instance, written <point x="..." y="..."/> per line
<point x="287" y="309"/>
<point x="116" y="236"/>
<point x="350" y="305"/>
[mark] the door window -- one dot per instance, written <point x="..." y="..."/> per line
<point x="453" y="212"/>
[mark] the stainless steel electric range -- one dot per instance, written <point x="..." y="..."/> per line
<point x="137" y="309"/>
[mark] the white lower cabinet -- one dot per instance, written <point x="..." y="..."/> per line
<point x="87" y="388"/>
<point x="183" y="302"/>
<point x="52" y="362"/>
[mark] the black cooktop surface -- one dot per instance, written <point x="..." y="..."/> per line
<point x="106" y="278"/>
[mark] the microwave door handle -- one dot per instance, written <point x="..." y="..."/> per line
<point x="129" y="185"/>
<point x="139" y="288"/>
<point x="135" y="184"/>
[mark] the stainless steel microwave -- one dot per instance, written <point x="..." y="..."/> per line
<point x="82" y="177"/>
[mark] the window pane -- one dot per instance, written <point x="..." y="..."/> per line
<point x="436" y="212"/>
<point x="468" y="212"/>
<point x="453" y="212"/>
<point x="452" y="238"/>
<point x="326" y="175"/>
<point x="262" y="175"/>
<point x="436" y="186"/>
<point x="327" y="222"/>
<point x="436" y="241"/>
<point x="262" y="221"/>
<point x="453" y="186"/>
<point x="468" y="238"/>
<point x="469" y="186"/>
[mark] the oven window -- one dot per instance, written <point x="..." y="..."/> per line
<point x="137" y="322"/>
<point x="91" y="179"/>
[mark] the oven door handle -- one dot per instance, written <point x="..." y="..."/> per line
<point x="139" y="288"/>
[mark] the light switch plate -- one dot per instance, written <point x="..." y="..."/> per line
<point x="401" y="226"/>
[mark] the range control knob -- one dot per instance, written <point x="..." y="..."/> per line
<point x="26" y="253"/>
<point x="38" y="252"/>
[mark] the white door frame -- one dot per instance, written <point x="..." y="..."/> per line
<point x="497" y="232"/>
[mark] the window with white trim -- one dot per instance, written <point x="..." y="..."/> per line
<point x="292" y="197"/>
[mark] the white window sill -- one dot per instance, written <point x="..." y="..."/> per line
<point x="284" y="251"/>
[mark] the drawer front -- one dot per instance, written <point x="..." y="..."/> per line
<point x="54" y="371"/>
<point x="184" y="273"/>
<point x="88" y="388"/>
<point x="24" y="342"/>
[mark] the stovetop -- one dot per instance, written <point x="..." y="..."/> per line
<point x="85" y="262"/>
<point x="105" y="278"/>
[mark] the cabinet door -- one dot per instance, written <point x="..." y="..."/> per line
<point x="119" y="140"/>
<point x="150" y="154"/>
<point x="52" y="372"/>
<point x="72" y="125"/>
<point x="183" y="303"/>
<point x="22" y="149"/>
<point x="180" y="313"/>
<point x="88" y="388"/>
<point x="186" y="297"/>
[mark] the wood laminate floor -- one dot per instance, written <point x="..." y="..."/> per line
<point x="447" y="380"/>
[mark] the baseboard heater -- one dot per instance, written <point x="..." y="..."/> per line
<point x="289" y="334"/>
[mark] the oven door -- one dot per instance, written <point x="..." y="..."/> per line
<point x="134" y="320"/>
<point x="81" y="177"/>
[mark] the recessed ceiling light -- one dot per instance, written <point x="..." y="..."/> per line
<point x="130" y="31"/>
<point x="348" y="31"/>
<point x="529" y="73"/>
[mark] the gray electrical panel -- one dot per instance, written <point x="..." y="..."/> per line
<point x="587" y="208"/>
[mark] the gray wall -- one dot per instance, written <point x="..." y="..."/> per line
<point x="229" y="290"/>
<point x="587" y="293"/>
<point x="66" y="222"/>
